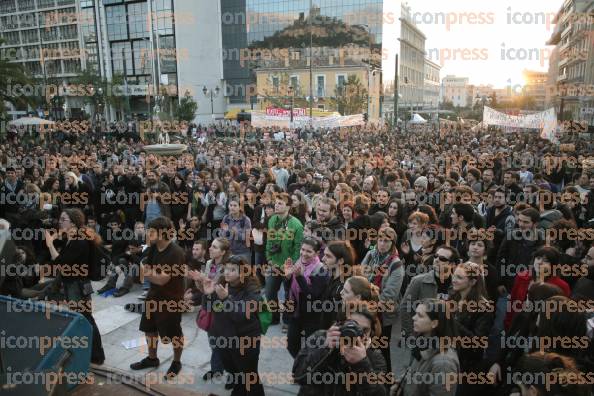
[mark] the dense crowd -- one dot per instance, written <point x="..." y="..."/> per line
<point x="478" y="243"/>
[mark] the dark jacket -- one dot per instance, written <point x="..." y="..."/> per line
<point x="232" y="320"/>
<point x="333" y="230"/>
<point x="476" y="324"/>
<point x="514" y="253"/>
<point x="308" y="294"/>
<point x="358" y="243"/>
<point x="331" y="293"/>
<point x="504" y="221"/>
<point x="315" y="363"/>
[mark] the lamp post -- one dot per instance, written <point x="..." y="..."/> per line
<point x="292" y="95"/>
<point x="213" y="94"/>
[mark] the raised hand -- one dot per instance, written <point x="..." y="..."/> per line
<point x="289" y="267"/>
<point x="222" y="292"/>
<point x="208" y="285"/>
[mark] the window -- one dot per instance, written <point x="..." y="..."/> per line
<point x="167" y="54"/>
<point x="142" y="57"/>
<point x="294" y="82"/>
<point x="26" y="5"/>
<point x="116" y="23"/>
<point x="45" y="3"/>
<point x="11" y="38"/>
<point x="275" y="84"/>
<point x="320" y="86"/>
<point x="68" y="32"/>
<point x="163" y="16"/>
<point x="72" y="66"/>
<point x="87" y="25"/>
<point x="137" y="20"/>
<point x="118" y="61"/>
<point x="29" y="36"/>
<point x="28" y="20"/>
<point x="340" y="82"/>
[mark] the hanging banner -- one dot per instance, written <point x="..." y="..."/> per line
<point x="546" y="121"/>
<point x="261" y="120"/>
<point x="279" y="112"/>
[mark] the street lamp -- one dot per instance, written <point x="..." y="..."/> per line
<point x="213" y="94"/>
<point x="292" y="95"/>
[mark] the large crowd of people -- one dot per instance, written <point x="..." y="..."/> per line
<point x="468" y="251"/>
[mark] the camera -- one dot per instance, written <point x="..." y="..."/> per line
<point x="350" y="329"/>
<point x="275" y="248"/>
<point x="49" y="224"/>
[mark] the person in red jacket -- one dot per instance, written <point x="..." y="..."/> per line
<point x="544" y="268"/>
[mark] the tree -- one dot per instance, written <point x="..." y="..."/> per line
<point x="11" y="75"/>
<point x="447" y="105"/>
<point x="351" y="97"/>
<point x="101" y="92"/>
<point x="186" y="111"/>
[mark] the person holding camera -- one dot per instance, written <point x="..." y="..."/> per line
<point x="344" y="360"/>
<point x="435" y="366"/>
<point x="306" y="281"/>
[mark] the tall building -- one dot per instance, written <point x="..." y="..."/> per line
<point x="432" y="84"/>
<point x="456" y="90"/>
<point x="574" y="66"/>
<point x="412" y="62"/>
<point x="535" y="87"/>
<point x="43" y="36"/>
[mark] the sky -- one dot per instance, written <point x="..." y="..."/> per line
<point x="490" y="42"/>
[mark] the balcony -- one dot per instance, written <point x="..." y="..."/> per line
<point x="563" y="61"/>
<point x="567" y="30"/>
<point x="561" y="77"/>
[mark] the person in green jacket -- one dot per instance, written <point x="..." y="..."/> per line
<point x="284" y="236"/>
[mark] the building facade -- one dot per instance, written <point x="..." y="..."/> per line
<point x="288" y="34"/>
<point x="535" y="87"/>
<point x="278" y="87"/>
<point x="43" y="36"/>
<point x="456" y="90"/>
<point x="432" y="84"/>
<point x="574" y="66"/>
<point x="412" y="63"/>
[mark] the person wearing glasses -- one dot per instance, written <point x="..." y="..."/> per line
<point x="433" y="284"/>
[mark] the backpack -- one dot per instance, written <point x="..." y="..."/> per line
<point x="98" y="263"/>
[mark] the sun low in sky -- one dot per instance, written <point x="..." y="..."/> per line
<point x="490" y="42"/>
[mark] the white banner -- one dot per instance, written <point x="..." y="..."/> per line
<point x="546" y="121"/>
<point x="262" y="120"/>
